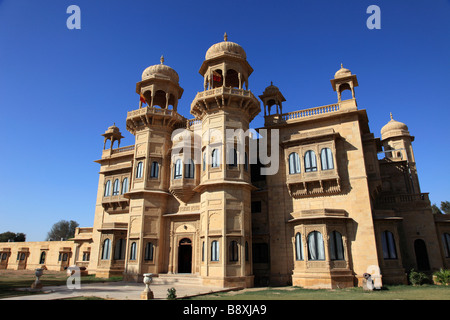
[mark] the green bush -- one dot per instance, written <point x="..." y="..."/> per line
<point x="171" y="294"/>
<point x="418" y="278"/>
<point x="442" y="276"/>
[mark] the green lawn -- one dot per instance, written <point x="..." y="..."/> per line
<point x="10" y="280"/>
<point x="401" y="292"/>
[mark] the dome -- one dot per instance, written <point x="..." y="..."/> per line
<point x="271" y="89"/>
<point x="227" y="47"/>
<point x="394" y="128"/>
<point x="342" y="72"/>
<point x="160" y="71"/>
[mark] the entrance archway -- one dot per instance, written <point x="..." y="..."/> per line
<point x="185" y="256"/>
<point x="420" y="250"/>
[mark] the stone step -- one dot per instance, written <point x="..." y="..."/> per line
<point x="178" y="278"/>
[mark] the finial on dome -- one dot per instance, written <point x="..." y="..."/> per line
<point x="162" y="59"/>
<point x="271" y="83"/>
<point x="225" y="37"/>
<point x="391" y="116"/>
<point x="342" y="65"/>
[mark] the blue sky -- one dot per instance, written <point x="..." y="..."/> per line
<point x="60" y="89"/>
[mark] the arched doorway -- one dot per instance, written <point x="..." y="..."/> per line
<point x="420" y="250"/>
<point x="185" y="256"/>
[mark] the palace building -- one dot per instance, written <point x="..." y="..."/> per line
<point x="185" y="198"/>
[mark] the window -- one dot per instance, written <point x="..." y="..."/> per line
<point x="119" y="251"/>
<point x="215" y="159"/>
<point x="154" y="172"/>
<point x="256" y="206"/>
<point x="133" y="251"/>
<point x="246" y="162"/>
<point x="116" y="187"/>
<point x="177" y="174"/>
<point x="326" y="157"/>
<point x="203" y="251"/>
<point x="232" y="158"/>
<point x="86" y="256"/>
<point x="64" y="257"/>
<point x="106" y="249"/>
<point x="298" y="247"/>
<point x="139" y="169"/>
<point x="107" y="189"/>
<point x="189" y="169"/>
<point x="149" y="251"/>
<point x="315" y="246"/>
<point x="234" y="254"/>
<point x="294" y="163"/>
<point x="124" y="186"/>
<point x="336" y="246"/>
<point x="388" y="245"/>
<point x="215" y="250"/>
<point x="446" y="242"/>
<point x="42" y="258"/>
<point x="204" y="161"/>
<point x="310" y="161"/>
<point x="246" y="251"/>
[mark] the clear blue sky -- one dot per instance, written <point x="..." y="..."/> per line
<point x="60" y="89"/>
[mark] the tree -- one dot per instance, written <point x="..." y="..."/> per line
<point x="62" y="230"/>
<point x="11" y="236"/>
<point x="435" y="209"/>
<point x="445" y="206"/>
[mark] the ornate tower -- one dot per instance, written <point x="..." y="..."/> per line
<point x="344" y="80"/>
<point x="225" y="110"/>
<point x="152" y="126"/>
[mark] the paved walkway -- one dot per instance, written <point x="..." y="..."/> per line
<point x="119" y="290"/>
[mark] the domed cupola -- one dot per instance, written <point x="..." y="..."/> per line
<point x="272" y="96"/>
<point x="344" y="80"/>
<point x="394" y="129"/>
<point x="226" y="48"/>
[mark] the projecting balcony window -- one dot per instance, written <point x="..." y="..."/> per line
<point x="139" y="169"/>
<point x="119" y="251"/>
<point x="294" y="163"/>
<point x="336" y="246"/>
<point x="234" y="256"/>
<point x="106" y="249"/>
<point x="177" y="173"/>
<point x="326" y="157"/>
<point x="149" y="248"/>
<point x="107" y="189"/>
<point x="388" y="245"/>
<point x="154" y="172"/>
<point x="215" y="158"/>
<point x="310" y="161"/>
<point x="215" y="250"/>
<point x="189" y="169"/>
<point x="116" y="187"/>
<point x="315" y="246"/>
<point x="232" y="158"/>
<point x="298" y="247"/>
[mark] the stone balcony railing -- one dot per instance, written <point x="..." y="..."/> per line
<point x="224" y="90"/>
<point x="153" y="111"/>
<point x="395" y="200"/>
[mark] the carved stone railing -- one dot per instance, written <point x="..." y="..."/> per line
<point x="123" y="149"/>
<point x="417" y="199"/>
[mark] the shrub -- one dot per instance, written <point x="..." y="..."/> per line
<point x="442" y="276"/>
<point x="418" y="278"/>
<point x="171" y="294"/>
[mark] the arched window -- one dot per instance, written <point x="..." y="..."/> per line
<point x="189" y="169"/>
<point x="64" y="257"/>
<point x="204" y="161"/>
<point x="215" y="158"/>
<point x="232" y="158"/>
<point x="154" y="172"/>
<point x="294" y="163"/>
<point x="315" y="246"/>
<point x="133" y="251"/>
<point x="234" y="253"/>
<point x="203" y="251"/>
<point x="446" y="242"/>
<point x="124" y="186"/>
<point x="215" y="250"/>
<point x="149" y="251"/>
<point x="177" y="174"/>
<point x="106" y="249"/>
<point x="139" y="169"/>
<point x="336" y="246"/>
<point x="116" y="187"/>
<point x="298" y="247"/>
<point x="107" y="188"/>
<point x="388" y="245"/>
<point x="119" y="250"/>
<point x="42" y="258"/>
<point x="246" y="162"/>
<point x="246" y="251"/>
<point x="326" y="157"/>
<point x="310" y="161"/>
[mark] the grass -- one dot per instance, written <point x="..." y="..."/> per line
<point x="400" y="292"/>
<point x="11" y="280"/>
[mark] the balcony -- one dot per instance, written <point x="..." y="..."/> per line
<point x="391" y="201"/>
<point x="115" y="204"/>
<point x="153" y="116"/>
<point x="316" y="183"/>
